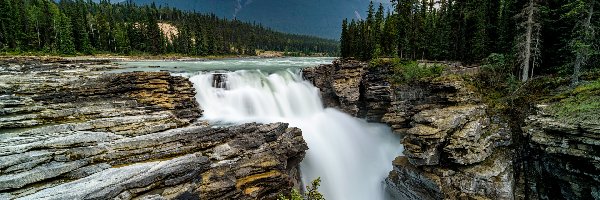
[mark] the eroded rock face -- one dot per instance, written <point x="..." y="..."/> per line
<point x="68" y="131"/>
<point x="565" y="160"/>
<point x="352" y="87"/>
<point x="339" y="84"/>
<point x="453" y="146"/>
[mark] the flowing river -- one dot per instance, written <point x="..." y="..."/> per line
<point x="351" y="156"/>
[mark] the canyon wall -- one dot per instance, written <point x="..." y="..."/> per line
<point x="72" y="131"/>
<point x="456" y="146"/>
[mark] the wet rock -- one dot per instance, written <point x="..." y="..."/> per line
<point x="565" y="156"/>
<point x="340" y="84"/>
<point x="79" y="133"/>
<point x="424" y="185"/>
<point x="491" y="179"/>
<point x="353" y="87"/>
<point x="219" y="81"/>
<point x="449" y="137"/>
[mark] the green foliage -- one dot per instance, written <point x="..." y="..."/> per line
<point x="294" y="195"/>
<point x="468" y="31"/>
<point x="363" y="39"/>
<point x="408" y="71"/>
<point x="312" y="192"/>
<point x="85" y="27"/>
<point x="580" y="104"/>
<point x="65" y="35"/>
<point x="496" y="63"/>
<point x="496" y="73"/>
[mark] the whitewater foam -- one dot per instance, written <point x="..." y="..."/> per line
<point x="352" y="157"/>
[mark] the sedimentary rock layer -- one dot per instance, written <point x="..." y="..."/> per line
<point x="456" y="147"/>
<point x="565" y="155"/>
<point x="453" y="146"/>
<point x="72" y="131"/>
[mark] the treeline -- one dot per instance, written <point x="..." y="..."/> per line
<point x="84" y="27"/>
<point x="547" y="36"/>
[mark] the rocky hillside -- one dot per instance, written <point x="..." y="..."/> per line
<point x="68" y="130"/>
<point x="456" y="146"/>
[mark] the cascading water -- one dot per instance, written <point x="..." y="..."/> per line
<point x="352" y="157"/>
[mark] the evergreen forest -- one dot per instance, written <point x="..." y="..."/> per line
<point x="78" y="27"/>
<point x="526" y="37"/>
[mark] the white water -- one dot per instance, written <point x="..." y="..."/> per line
<point x="352" y="157"/>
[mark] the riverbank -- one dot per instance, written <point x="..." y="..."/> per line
<point x="117" y="58"/>
<point x="72" y="131"/>
<point x="458" y="144"/>
<point x="148" y="57"/>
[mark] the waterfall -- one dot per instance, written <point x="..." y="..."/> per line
<point x="351" y="156"/>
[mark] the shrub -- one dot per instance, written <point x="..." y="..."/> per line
<point x="579" y="104"/>
<point x="410" y="71"/>
<point x="497" y="73"/>
<point x="312" y="192"/>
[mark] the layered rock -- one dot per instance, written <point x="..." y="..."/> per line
<point x="564" y="155"/>
<point x="458" y="148"/>
<point x="453" y="147"/>
<point x="340" y="84"/>
<point x="71" y="131"/>
<point x="352" y="87"/>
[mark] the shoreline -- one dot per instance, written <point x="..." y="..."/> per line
<point x="112" y="59"/>
<point x="122" y="58"/>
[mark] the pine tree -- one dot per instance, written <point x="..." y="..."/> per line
<point x="369" y="29"/>
<point x="122" y="43"/>
<point x="480" y="42"/>
<point x="152" y="32"/>
<point x="344" y="40"/>
<point x="377" y="31"/>
<point x="583" y="34"/>
<point x="53" y="38"/>
<point x="39" y="25"/>
<point x="6" y="21"/>
<point x="65" y="37"/>
<point x="80" y="32"/>
<point x="529" y="41"/>
<point x="444" y="31"/>
<point x="505" y="25"/>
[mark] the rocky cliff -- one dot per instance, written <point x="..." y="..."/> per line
<point x="72" y="131"/>
<point x="563" y="143"/>
<point x="456" y="147"/>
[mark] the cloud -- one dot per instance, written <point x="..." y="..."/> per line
<point x="357" y="15"/>
<point x="239" y="6"/>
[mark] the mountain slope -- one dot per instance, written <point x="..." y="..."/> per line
<point x="310" y="17"/>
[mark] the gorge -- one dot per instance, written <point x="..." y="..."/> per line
<point x="458" y="145"/>
<point x="256" y="128"/>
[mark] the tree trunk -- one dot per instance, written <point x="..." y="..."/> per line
<point x="582" y="53"/>
<point x="528" y="40"/>
<point x="537" y="50"/>
<point x="37" y="28"/>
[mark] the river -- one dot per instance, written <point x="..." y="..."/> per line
<point x="352" y="157"/>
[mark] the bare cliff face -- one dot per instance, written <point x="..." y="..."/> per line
<point x="70" y="131"/>
<point x="564" y="157"/>
<point x="456" y="147"/>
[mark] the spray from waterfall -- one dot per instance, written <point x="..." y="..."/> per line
<point x="352" y="157"/>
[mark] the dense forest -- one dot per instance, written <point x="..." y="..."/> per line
<point x="78" y="27"/>
<point x="531" y="36"/>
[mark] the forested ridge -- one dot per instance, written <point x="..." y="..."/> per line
<point x="526" y="37"/>
<point x="84" y="27"/>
